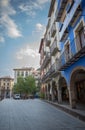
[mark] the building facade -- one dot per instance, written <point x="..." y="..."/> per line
<point x="71" y="19"/>
<point x="49" y="57"/>
<point x="6" y="85"/>
<point x="24" y="72"/>
<point x="62" y="52"/>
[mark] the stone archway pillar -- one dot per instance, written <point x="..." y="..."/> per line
<point x="59" y="94"/>
<point x="51" y="92"/>
<point x="72" y="97"/>
<point x="45" y="91"/>
<point x="48" y="92"/>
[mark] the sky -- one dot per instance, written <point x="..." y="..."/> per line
<point x="22" y="25"/>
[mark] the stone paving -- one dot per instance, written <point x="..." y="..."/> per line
<point x="34" y="114"/>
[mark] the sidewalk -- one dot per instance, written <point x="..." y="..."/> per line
<point x="78" y="113"/>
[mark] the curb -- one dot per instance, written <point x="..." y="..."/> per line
<point x="69" y="111"/>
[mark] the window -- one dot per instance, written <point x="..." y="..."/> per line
<point x="7" y="87"/>
<point x="69" y="5"/>
<point x="67" y="51"/>
<point x="7" y="84"/>
<point x="80" y="37"/>
<point x="26" y="74"/>
<point x="22" y="73"/>
<point x="18" y="73"/>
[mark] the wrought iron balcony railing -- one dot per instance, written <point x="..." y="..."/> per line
<point x="48" y="41"/>
<point x="53" y="30"/>
<point x="54" y="48"/>
<point x="46" y="60"/>
<point x="46" y="77"/>
<point x="52" y="72"/>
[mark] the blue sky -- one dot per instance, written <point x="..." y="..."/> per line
<point x="22" y="25"/>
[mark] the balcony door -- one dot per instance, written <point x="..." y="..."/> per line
<point x="80" y="37"/>
<point x="67" y="51"/>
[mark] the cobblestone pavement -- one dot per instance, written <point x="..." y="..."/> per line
<point x="34" y="114"/>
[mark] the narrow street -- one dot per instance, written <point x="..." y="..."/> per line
<point x="34" y="114"/>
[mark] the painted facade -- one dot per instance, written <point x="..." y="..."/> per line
<point x="62" y="53"/>
<point x="72" y="41"/>
<point x="24" y="72"/>
<point x="6" y="85"/>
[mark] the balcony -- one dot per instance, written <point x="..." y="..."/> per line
<point x="54" y="48"/>
<point x="46" y="60"/>
<point x="46" y="77"/>
<point x="70" y="18"/>
<point x="77" y="13"/>
<point x="53" y="71"/>
<point x="48" y="41"/>
<point x="64" y="36"/>
<point x="62" y="4"/>
<point x="77" y="51"/>
<point x="53" y="30"/>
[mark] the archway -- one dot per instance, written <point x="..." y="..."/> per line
<point x="49" y="92"/>
<point x="63" y="90"/>
<point x="46" y="92"/>
<point x="54" y="91"/>
<point x="77" y="87"/>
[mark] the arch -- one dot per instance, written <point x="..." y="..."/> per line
<point x="76" y="69"/>
<point x="46" y="91"/>
<point x="54" y="91"/>
<point x="49" y="91"/>
<point x="63" y="89"/>
<point x="77" y="86"/>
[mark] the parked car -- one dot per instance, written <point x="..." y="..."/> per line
<point x="16" y="96"/>
<point x="31" y="97"/>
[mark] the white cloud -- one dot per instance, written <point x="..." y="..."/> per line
<point x="10" y="26"/>
<point x="42" y="1"/>
<point x="2" y="39"/>
<point x="31" y="6"/>
<point x="39" y="30"/>
<point x="25" y="52"/>
<point x="6" y="21"/>
<point x="28" y="8"/>
<point x="6" y="8"/>
<point x="39" y="27"/>
<point x="28" y="56"/>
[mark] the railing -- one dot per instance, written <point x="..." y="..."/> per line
<point x="52" y="68"/>
<point x="54" y="48"/>
<point x="48" y="25"/>
<point x="46" y="60"/>
<point x="51" y="72"/>
<point x="45" y="77"/>
<point x="70" y="56"/>
<point x="53" y="29"/>
<point x="48" y="41"/>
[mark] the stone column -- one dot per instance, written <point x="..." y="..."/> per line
<point x="48" y="93"/>
<point x="52" y="94"/>
<point x="59" y="94"/>
<point x="45" y="91"/>
<point x="72" y="97"/>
